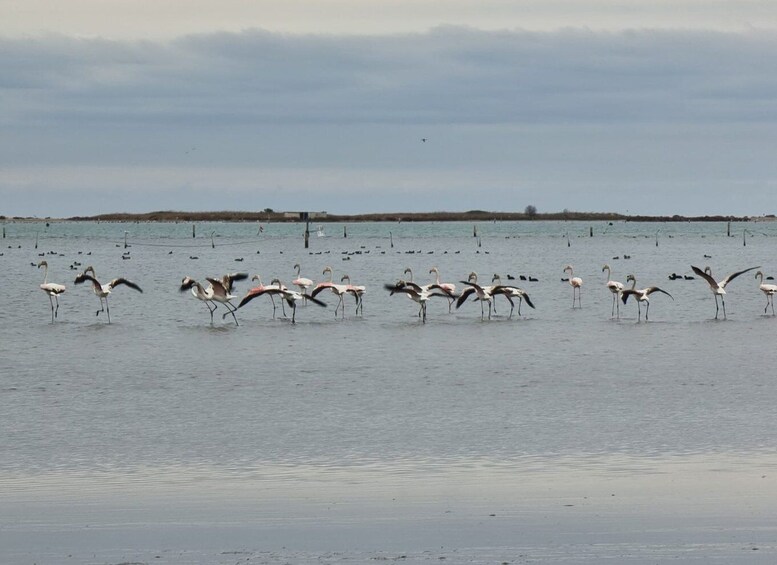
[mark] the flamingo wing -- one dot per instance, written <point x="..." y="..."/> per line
<point x="732" y="276"/>
<point x="651" y="289"/>
<point x="464" y="295"/>
<point x="712" y="282"/>
<point x="83" y="277"/>
<point x="125" y="282"/>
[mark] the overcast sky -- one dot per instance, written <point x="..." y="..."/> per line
<point x="661" y="107"/>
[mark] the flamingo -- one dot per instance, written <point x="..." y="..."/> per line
<point x="301" y="282"/>
<point x="718" y="288"/>
<point x="769" y="290"/>
<point x="615" y="288"/>
<point x="221" y="292"/>
<point x="482" y="293"/>
<point x="200" y="293"/>
<point x="358" y="292"/>
<point x="419" y="294"/>
<point x="576" y="283"/>
<point x="52" y="289"/>
<point x="449" y="287"/>
<point x="338" y="289"/>
<point x="510" y="292"/>
<point x="290" y="296"/>
<point x="104" y="290"/>
<point x="642" y="295"/>
<point x="264" y="289"/>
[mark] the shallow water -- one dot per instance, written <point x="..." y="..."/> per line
<point x="370" y="404"/>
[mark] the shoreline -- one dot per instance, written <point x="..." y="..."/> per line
<point x="323" y="217"/>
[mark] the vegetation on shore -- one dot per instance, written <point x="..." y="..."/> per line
<point x="530" y="214"/>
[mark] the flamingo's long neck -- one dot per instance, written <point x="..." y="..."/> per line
<point x="45" y="274"/>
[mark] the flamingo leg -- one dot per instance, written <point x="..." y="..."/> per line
<point x="52" y="309"/>
<point x="294" y="313"/>
<point x="230" y="310"/>
<point x="273" y="306"/>
<point x="723" y="302"/>
<point x="647" y="309"/>
<point x="771" y="299"/>
<point x="211" y="310"/>
<point x="56" y="310"/>
<point x="107" y="309"/>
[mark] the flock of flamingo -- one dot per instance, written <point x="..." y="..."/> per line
<point x="219" y="291"/>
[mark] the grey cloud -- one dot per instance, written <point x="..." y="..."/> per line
<point x="450" y="75"/>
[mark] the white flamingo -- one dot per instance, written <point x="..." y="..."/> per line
<point x="338" y="289"/>
<point x="104" y="290"/>
<point x="615" y="288"/>
<point x="510" y="292"/>
<point x="576" y="283"/>
<point x="277" y="288"/>
<point x="642" y="295"/>
<point x="262" y="289"/>
<point x="768" y="289"/>
<point x="358" y="292"/>
<point x="482" y="293"/>
<point x="301" y="282"/>
<point x="718" y="288"/>
<point x="419" y="294"/>
<point x="447" y="287"/>
<point x="200" y="293"/>
<point x="52" y="289"/>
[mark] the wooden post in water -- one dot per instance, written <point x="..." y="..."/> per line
<point x="212" y="243"/>
<point x="590" y="231"/>
<point x="3" y="232"/>
<point x="307" y="234"/>
<point x="125" y="239"/>
<point x="744" y="237"/>
<point x="345" y="233"/>
<point x="728" y="229"/>
<point x="194" y="234"/>
<point x="391" y="239"/>
<point x="474" y="231"/>
<point x="36" y="240"/>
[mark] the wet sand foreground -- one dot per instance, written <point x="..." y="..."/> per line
<point x="697" y="509"/>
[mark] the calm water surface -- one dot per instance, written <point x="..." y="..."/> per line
<point x="162" y="393"/>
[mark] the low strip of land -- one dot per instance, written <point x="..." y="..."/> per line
<point x="323" y="217"/>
